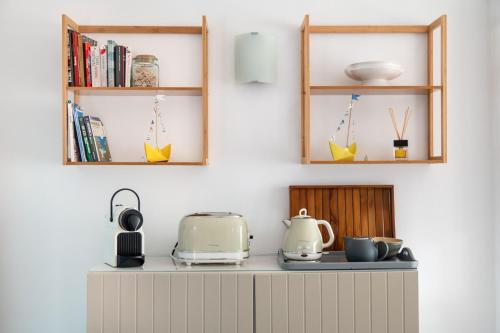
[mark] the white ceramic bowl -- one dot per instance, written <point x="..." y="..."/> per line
<point x="375" y="73"/>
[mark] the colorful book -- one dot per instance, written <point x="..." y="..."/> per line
<point x="87" y="44"/>
<point x="81" y="70"/>
<point x="88" y="129"/>
<point x="76" y="70"/>
<point x="118" y="66"/>
<point x="110" y="49"/>
<point x="86" y="142"/>
<point x="99" y="139"/>
<point x="70" y="130"/>
<point x="69" y="54"/>
<point x="87" y="64"/>
<point x="128" y="66"/>
<point x="77" y="114"/>
<point x="104" y="66"/>
<point x="95" y="65"/>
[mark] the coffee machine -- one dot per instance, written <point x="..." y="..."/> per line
<point x="127" y="234"/>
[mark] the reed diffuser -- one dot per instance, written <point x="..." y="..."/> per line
<point x="401" y="144"/>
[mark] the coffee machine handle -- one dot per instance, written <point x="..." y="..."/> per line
<point x="330" y="233"/>
<point x="113" y="197"/>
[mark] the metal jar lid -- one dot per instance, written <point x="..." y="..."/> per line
<point x="145" y="58"/>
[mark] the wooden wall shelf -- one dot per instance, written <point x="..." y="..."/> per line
<point x="134" y="91"/>
<point x="372" y="90"/>
<point x="134" y="163"/>
<point x="201" y="91"/>
<point x="308" y="89"/>
<point x="379" y="162"/>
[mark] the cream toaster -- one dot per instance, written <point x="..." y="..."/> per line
<point x="213" y="237"/>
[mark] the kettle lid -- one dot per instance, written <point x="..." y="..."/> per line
<point x="302" y="214"/>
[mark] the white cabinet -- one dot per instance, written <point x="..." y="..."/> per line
<point x="252" y="301"/>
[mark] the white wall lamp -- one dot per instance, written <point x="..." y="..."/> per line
<point x="255" y="58"/>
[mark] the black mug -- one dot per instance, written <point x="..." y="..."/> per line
<point x="365" y="249"/>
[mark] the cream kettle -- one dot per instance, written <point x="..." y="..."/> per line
<point x="303" y="240"/>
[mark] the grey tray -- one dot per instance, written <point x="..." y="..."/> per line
<point x="336" y="261"/>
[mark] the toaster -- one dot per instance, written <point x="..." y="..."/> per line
<point x="212" y="237"/>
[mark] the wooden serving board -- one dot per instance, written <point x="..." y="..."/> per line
<point x="352" y="210"/>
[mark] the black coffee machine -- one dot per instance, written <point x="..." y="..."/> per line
<point x="128" y="237"/>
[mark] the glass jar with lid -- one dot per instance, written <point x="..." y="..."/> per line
<point x="145" y="71"/>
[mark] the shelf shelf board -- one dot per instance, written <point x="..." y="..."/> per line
<point x="131" y="29"/>
<point x="134" y="91"/>
<point x="372" y="90"/>
<point x="432" y="161"/>
<point x="134" y="163"/>
<point x="365" y="29"/>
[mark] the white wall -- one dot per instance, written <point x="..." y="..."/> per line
<point x="495" y="86"/>
<point x="53" y="216"/>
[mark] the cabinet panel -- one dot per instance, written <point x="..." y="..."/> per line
<point x="144" y="308"/>
<point x="245" y="303"/>
<point x="279" y="304"/>
<point x="195" y="303"/>
<point x="263" y="303"/>
<point x="161" y="315"/>
<point x="212" y="302"/>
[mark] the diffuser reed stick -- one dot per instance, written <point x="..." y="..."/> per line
<point x="393" y="118"/>
<point x="407" y="119"/>
<point x="399" y="134"/>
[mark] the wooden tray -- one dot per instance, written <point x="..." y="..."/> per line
<point x="352" y="210"/>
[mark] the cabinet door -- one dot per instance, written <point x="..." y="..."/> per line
<point x="170" y="302"/>
<point x="336" y="302"/>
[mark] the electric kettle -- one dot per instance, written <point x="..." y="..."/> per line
<point x="303" y="240"/>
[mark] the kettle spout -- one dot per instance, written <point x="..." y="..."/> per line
<point x="287" y="223"/>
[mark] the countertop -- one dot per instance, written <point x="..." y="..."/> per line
<point x="166" y="264"/>
<point x="256" y="263"/>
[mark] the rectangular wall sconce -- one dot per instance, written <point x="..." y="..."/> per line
<point x="255" y="58"/>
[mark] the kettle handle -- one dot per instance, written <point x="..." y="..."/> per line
<point x="331" y="237"/>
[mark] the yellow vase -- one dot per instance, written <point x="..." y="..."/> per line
<point x="157" y="154"/>
<point x="343" y="153"/>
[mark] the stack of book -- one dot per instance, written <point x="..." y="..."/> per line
<point x="93" y="65"/>
<point x="87" y="140"/>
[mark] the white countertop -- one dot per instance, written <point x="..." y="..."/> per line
<point x="166" y="264"/>
<point x="256" y="263"/>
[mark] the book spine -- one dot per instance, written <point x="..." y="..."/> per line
<point x="87" y="65"/>
<point x="73" y="153"/>
<point x="128" y="67"/>
<point x="111" y="63"/>
<point x="81" y="147"/>
<point x="124" y="64"/>
<point x="86" y="143"/>
<point x="69" y="54"/>
<point x="104" y="66"/>
<point x="69" y="131"/>
<point x="80" y="60"/>
<point x="76" y="72"/>
<point x="118" y="66"/>
<point x="90" y="135"/>
<point x="95" y="58"/>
